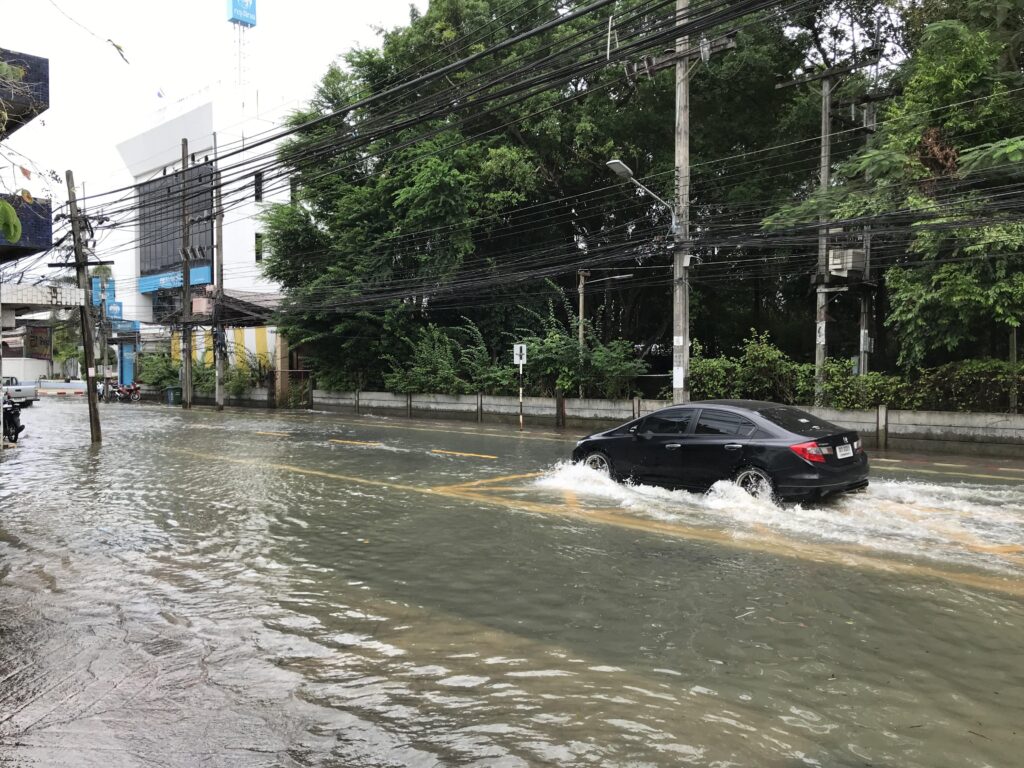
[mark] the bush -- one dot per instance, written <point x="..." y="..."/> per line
<point x="158" y="370"/>
<point x="712" y="378"/>
<point x="431" y="368"/>
<point x="615" y="366"/>
<point x="764" y="371"/>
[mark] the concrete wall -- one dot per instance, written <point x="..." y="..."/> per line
<point x="980" y="434"/>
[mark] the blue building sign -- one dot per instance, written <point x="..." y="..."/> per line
<point x="115" y="310"/>
<point x="154" y="283"/>
<point x="242" y="12"/>
<point x="96" y="289"/>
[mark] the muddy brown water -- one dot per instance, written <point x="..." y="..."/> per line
<point x="254" y="589"/>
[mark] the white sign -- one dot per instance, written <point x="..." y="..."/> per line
<point x="519" y="354"/>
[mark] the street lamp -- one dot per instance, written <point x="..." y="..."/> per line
<point x="680" y="288"/>
<point x="622" y="170"/>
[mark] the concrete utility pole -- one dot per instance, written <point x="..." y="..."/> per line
<point x="103" y="333"/>
<point x="582" y="274"/>
<point x="186" y="288"/>
<point x="821" y="303"/>
<point x="87" y="332"/>
<point x="821" y="277"/>
<point x="866" y="296"/>
<point x="681" y="260"/>
<point x="219" y="345"/>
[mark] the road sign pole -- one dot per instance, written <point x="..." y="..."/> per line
<point x="520" y="397"/>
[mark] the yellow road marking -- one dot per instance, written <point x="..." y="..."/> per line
<point x="489" y="481"/>
<point x="571" y="501"/>
<point x="275" y="434"/>
<point x="945" y="474"/>
<point x="305" y="471"/>
<point x="766" y="542"/>
<point x="356" y="442"/>
<point x="895" y="461"/>
<point x="449" y="430"/>
<point x="940" y="464"/>
<point x="460" y="453"/>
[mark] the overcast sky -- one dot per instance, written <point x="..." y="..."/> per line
<point x="172" y="48"/>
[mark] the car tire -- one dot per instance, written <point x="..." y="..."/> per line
<point x="599" y="462"/>
<point x="756" y="482"/>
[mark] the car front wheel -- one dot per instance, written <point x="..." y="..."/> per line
<point x="756" y="482"/>
<point x="599" y="462"/>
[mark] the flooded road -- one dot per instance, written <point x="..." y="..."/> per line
<point x="278" y="589"/>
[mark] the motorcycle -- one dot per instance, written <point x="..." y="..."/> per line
<point x="128" y="392"/>
<point x="11" y="419"/>
<point x="122" y="392"/>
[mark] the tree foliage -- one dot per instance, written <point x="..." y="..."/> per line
<point x="414" y="256"/>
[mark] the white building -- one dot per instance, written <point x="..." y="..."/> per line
<point x="222" y="128"/>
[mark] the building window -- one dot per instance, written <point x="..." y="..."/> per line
<point x="258" y="186"/>
<point x="259" y="246"/>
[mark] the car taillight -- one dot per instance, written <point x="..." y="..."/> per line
<point x="810" y="451"/>
<point x="858" y="446"/>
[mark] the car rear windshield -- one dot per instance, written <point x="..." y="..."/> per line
<point x="800" y="422"/>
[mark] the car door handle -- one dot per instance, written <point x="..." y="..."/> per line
<point x="732" y="446"/>
<point x="672" y="446"/>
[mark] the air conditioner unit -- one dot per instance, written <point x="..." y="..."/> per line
<point x="842" y="261"/>
<point x="202" y="306"/>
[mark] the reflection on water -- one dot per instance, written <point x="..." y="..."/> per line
<point x="256" y="608"/>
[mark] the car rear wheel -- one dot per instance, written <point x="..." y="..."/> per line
<point x="756" y="482"/>
<point x="599" y="462"/>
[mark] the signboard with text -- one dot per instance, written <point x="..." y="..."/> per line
<point x="242" y="12"/>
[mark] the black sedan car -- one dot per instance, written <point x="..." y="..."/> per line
<point x="766" y="448"/>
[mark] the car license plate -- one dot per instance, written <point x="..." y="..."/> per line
<point x="844" y="451"/>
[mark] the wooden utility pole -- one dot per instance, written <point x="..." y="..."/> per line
<point x="681" y="255"/>
<point x="186" y="288"/>
<point x="87" y="332"/>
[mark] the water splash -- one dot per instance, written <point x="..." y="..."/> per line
<point x="965" y="525"/>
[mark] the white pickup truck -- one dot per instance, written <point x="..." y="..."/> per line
<point x="23" y="394"/>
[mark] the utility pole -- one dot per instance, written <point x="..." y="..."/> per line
<point x="186" y="288"/>
<point x="582" y="274"/>
<point x="103" y="333"/>
<point x="681" y="254"/>
<point x="219" y="343"/>
<point x="821" y="277"/>
<point x="866" y="296"/>
<point x="87" y="332"/>
<point x="821" y="295"/>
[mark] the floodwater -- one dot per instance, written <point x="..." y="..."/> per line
<point x="264" y="589"/>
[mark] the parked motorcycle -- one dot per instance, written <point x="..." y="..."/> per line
<point x="129" y="392"/>
<point x="11" y="419"/>
<point x="123" y="393"/>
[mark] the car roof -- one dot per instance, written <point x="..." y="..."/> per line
<point x="741" y="405"/>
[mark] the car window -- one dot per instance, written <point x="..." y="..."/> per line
<point x="723" y="423"/>
<point x="668" y="422"/>
<point x="798" y="421"/>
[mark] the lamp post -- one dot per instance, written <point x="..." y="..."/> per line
<point x="680" y="291"/>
